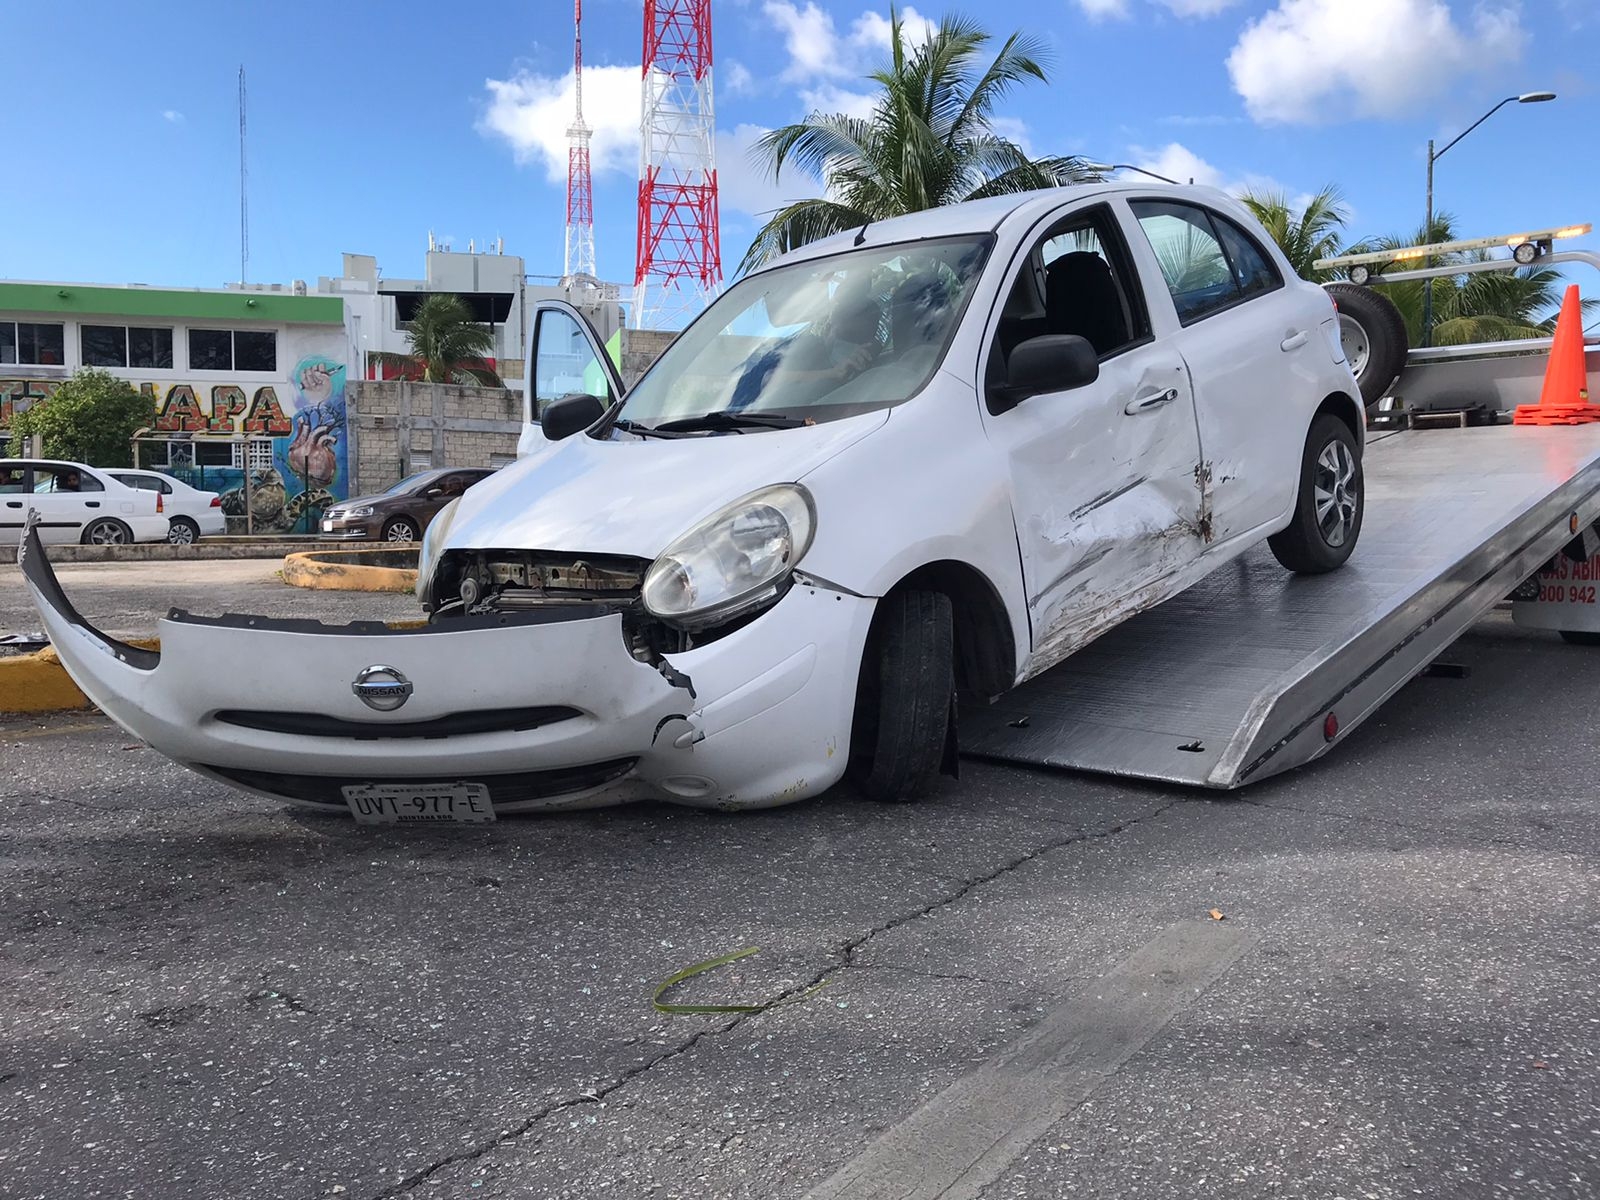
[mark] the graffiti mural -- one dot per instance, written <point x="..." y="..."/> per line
<point x="300" y="472"/>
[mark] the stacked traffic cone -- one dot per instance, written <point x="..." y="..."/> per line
<point x="1565" y="398"/>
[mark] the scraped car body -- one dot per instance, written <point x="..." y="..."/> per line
<point x="567" y="664"/>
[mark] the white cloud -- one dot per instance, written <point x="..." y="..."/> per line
<point x="1177" y="162"/>
<point x="1310" y="61"/>
<point x="1102" y="10"/>
<point x="734" y="78"/>
<point x="173" y="115"/>
<point x="1197" y="8"/>
<point x="532" y="113"/>
<point x="817" y="49"/>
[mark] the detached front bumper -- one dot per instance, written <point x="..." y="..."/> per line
<point x="546" y="711"/>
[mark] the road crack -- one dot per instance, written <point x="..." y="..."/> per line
<point x="842" y="958"/>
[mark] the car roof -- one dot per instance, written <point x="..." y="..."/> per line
<point x="50" y="462"/>
<point x="989" y="215"/>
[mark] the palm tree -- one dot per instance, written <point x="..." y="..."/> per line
<point x="930" y="140"/>
<point x="1314" y="232"/>
<point x="444" y="338"/>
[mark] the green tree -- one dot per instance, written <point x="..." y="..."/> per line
<point x="91" y="418"/>
<point x="929" y="141"/>
<point x="444" y="338"/>
<point x="1316" y="231"/>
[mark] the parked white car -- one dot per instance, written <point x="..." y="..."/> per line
<point x="75" y="503"/>
<point x="191" y="513"/>
<point x="926" y="459"/>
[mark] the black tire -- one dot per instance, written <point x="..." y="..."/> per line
<point x="905" y="696"/>
<point x="1580" y="637"/>
<point x="1384" y="330"/>
<point x="399" y="529"/>
<point x="1309" y="545"/>
<point x="183" y="532"/>
<point x="106" y="532"/>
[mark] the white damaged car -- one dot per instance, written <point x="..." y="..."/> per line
<point x="920" y="461"/>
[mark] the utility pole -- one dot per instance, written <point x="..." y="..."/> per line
<point x="244" y="202"/>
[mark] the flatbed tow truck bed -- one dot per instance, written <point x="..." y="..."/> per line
<point x="1254" y="671"/>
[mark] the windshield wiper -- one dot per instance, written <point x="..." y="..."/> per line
<point x="642" y="430"/>
<point x="734" y="420"/>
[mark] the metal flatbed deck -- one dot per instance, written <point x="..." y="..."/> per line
<point x="1234" y="680"/>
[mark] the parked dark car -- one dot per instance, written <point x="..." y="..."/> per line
<point x="403" y="512"/>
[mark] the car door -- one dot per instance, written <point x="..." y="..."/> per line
<point x="1102" y="476"/>
<point x="66" y="500"/>
<point x="564" y="357"/>
<point x="1243" y="336"/>
<point x="15" y="487"/>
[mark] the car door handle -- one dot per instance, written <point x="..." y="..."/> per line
<point x="1294" y="341"/>
<point x="13" y="503"/>
<point x="1150" y="400"/>
<point x="91" y="504"/>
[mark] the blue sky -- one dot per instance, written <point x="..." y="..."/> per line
<point x="371" y="123"/>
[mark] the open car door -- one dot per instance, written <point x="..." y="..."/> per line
<point x="565" y="357"/>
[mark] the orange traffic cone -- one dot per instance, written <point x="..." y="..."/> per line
<point x="1565" y="398"/>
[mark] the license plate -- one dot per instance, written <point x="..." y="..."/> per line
<point x="418" y="803"/>
<point x="327" y="527"/>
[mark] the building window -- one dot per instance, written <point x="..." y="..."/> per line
<point x="33" y="345"/>
<point x="126" y="346"/>
<point x="233" y="350"/>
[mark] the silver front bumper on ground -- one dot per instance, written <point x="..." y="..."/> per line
<point x="547" y="711"/>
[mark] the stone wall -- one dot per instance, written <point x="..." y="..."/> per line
<point x="640" y="348"/>
<point x="398" y="427"/>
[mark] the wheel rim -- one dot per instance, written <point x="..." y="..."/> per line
<point x="180" y="533"/>
<point x="1337" y="497"/>
<point x="1357" y="346"/>
<point x="106" y="534"/>
<point x="401" y="532"/>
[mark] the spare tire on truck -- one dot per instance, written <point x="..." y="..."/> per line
<point x="1374" y="337"/>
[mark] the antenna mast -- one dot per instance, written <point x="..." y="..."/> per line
<point x="679" y="261"/>
<point x="244" y="203"/>
<point x="579" y="258"/>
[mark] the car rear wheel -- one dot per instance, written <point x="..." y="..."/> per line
<point x="400" y="529"/>
<point x="183" y="532"/>
<point x="1327" y="516"/>
<point x="905" y="699"/>
<point x="106" y="532"/>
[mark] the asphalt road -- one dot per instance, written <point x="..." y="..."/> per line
<point x="204" y="994"/>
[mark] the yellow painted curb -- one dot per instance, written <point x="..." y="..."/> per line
<point x="36" y="683"/>
<point x="324" y="569"/>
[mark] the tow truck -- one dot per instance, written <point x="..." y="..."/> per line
<point x="1253" y="672"/>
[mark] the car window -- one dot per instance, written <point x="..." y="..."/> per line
<point x="1192" y="260"/>
<point x="1076" y="281"/>
<point x="1252" y="270"/>
<point x="50" y="480"/>
<point x="564" y="362"/>
<point x="145" y="483"/>
<point x="13" y="479"/>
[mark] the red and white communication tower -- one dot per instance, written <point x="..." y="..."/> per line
<point x="580" y="188"/>
<point x="679" y="263"/>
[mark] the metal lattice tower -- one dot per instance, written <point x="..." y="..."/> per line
<point x="679" y="260"/>
<point x="579" y="258"/>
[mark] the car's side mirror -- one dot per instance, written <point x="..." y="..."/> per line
<point x="571" y="414"/>
<point x="1053" y="362"/>
<point x="433" y="493"/>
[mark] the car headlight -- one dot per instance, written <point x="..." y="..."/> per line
<point x="733" y="561"/>
<point x="428" y="557"/>
<point x="364" y="511"/>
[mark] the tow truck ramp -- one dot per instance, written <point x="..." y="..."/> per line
<point x="1254" y="670"/>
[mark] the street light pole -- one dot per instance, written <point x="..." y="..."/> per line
<point x="1427" y="228"/>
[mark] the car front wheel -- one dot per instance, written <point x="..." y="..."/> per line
<point x="106" y="532"/>
<point x="1327" y="515"/>
<point x="906" y="696"/>
<point x="400" y="530"/>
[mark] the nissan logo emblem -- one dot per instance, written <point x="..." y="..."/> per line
<point x="382" y="688"/>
